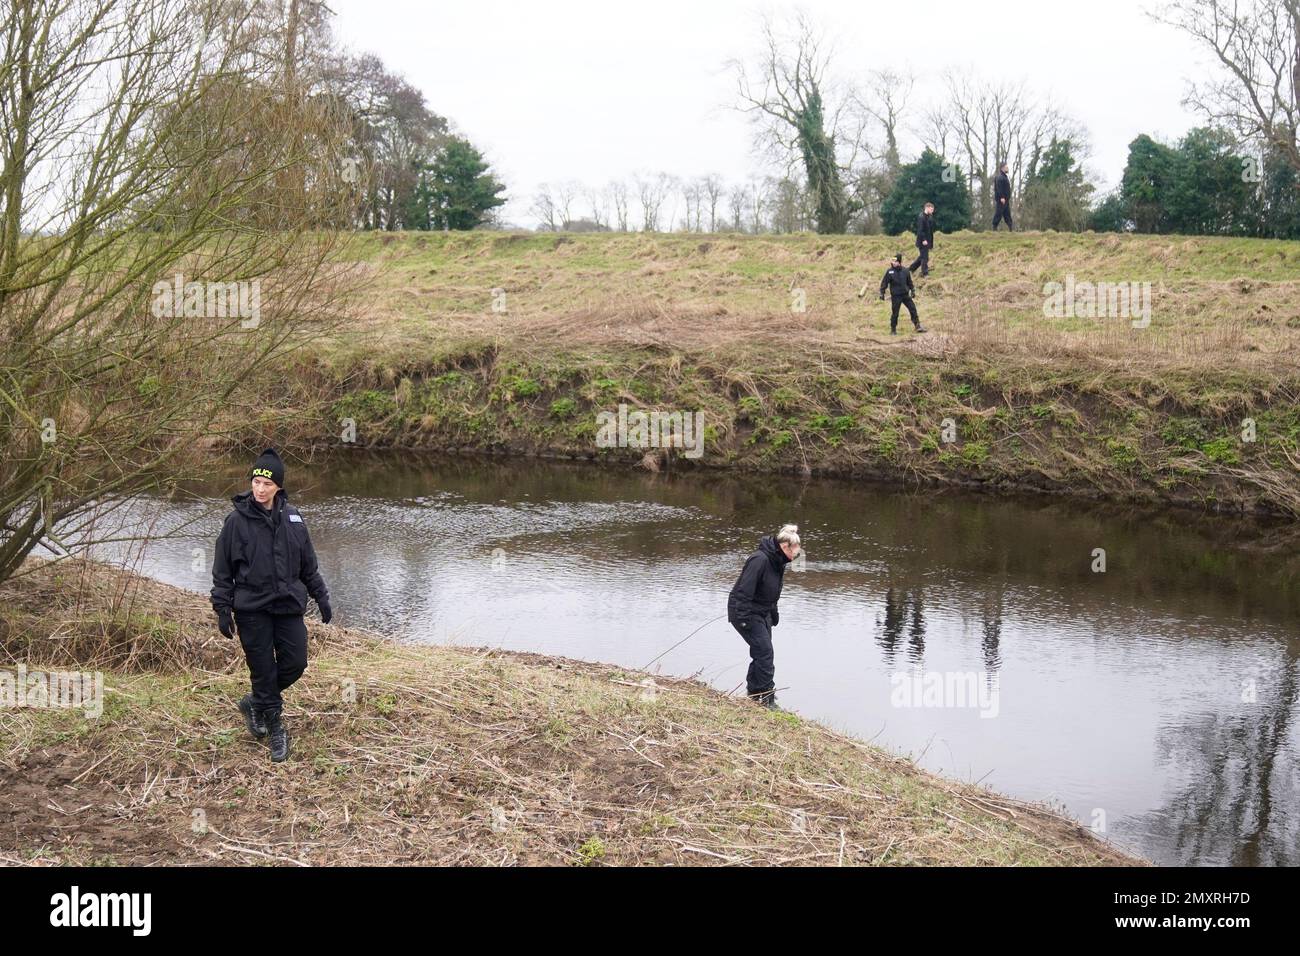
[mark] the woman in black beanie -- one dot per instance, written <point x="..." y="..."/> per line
<point x="264" y="570"/>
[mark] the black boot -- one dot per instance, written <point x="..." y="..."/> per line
<point x="252" y="718"/>
<point x="765" y="698"/>
<point x="279" y="739"/>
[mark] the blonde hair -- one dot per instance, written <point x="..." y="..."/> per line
<point x="789" y="534"/>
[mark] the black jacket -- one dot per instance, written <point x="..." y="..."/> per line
<point x="1002" y="188"/>
<point x="265" y="560"/>
<point x="924" y="230"/>
<point x="898" y="280"/>
<point x="759" y="586"/>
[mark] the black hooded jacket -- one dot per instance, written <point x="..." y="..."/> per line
<point x="898" y="282"/>
<point x="265" y="560"/>
<point x="924" y="230"/>
<point x="1002" y="187"/>
<point x="759" y="586"/>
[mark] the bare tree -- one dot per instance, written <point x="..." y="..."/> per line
<point x="938" y="131"/>
<point x="758" y="199"/>
<point x="153" y="253"/>
<point x="737" y="199"/>
<point x="618" y="197"/>
<point x="393" y="130"/>
<point x="566" y="194"/>
<point x="885" y="101"/>
<point x="692" y="192"/>
<point x="651" y="192"/>
<point x="713" y="188"/>
<point x="1257" y="46"/>
<point x="596" y="203"/>
<point x="788" y="92"/>
<point x="545" y="210"/>
<point x="791" y="206"/>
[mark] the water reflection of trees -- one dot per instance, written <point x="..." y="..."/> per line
<point x="903" y="622"/>
<point x="991" y="625"/>
<point x="904" y="619"/>
<point x="1238" y="804"/>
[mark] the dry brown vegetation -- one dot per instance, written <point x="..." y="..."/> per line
<point x="1219" y="305"/>
<point x="406" y="754"/>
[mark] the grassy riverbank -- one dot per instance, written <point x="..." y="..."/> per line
<point x="1090" y="406"/>
<point x="407" y="754"/>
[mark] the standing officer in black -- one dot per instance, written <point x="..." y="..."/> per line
<point x="899" y="283"/>
<point x="751" y="609"/>
<point x="1002" y="199"/>
<point x="264" y="570"/>
<point x="924" y="239"/>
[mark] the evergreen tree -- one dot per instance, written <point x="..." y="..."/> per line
<point x="1198" y="188"/>
<point x="1209" y="195"/>
<point x="1279" y="198"/>
<point x="1148" y="177"/>
<point x="926" y="181"/>
<point x="1110" y="215"/>
<point x="456" y="190"/>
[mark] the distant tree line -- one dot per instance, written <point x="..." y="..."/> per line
<point x="1203" y="185"/>
<point x="661" y="202"/>
<point x="404" y="165"/>
<point x="838" y="141"/>
<point x="411" y="170"/>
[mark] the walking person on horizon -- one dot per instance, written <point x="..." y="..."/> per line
<point x="752" y="610"/>
<point x="924" y="240"/>
<point x="1002" y="198"/>
<point x="899" y="283"/>
<point x="264" y="570"/>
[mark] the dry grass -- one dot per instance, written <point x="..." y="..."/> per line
<point x="1217" y="304"/>
<point x="409" y="754"/>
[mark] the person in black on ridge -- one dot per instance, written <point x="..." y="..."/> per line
<point x="1002" y="199"/>
<point x="924" y="240"/>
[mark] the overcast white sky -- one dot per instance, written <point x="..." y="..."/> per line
<point x="591" y="90"/>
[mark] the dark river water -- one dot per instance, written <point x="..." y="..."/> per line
<point x="1155" y="701"/>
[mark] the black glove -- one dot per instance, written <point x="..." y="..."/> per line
<point x="225" y="622"/>
<point x="326" y="612"/>
<point x="776" y="617"/>
<point x="882" y="297"/>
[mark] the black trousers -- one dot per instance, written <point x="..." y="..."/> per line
<point x="1003" y="214"/>
<point x="761" y="676"/>
<point x="275" y="646"/>
<point x="911" y="308"/>
<point x="923" y="260"/>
